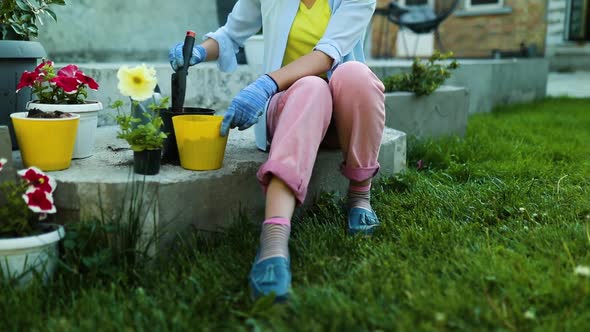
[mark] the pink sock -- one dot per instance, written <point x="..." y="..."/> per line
<point x="274" y="238"/>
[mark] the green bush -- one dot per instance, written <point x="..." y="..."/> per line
<point x="19" y="18"/>
<point x="425" y="77"/>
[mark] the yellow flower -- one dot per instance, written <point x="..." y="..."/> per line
<point x="137" y="82"/>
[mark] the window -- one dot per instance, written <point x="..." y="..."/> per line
<point x="483" y="4"/>
<point x="578" y="20"/>
<point x="416" y="2"/>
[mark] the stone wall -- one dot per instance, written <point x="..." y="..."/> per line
<point x="117" y="30"/>
<point x="8" y="171"/>
<point x="470" y="34"/>
<point x="491" y="82"/>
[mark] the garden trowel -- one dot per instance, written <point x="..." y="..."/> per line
<point x="178" y="96"/>
<point x="179" y="77"/>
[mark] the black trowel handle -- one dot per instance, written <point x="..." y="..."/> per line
<point x="179" y="77"/>
<point x="187" y="50"/>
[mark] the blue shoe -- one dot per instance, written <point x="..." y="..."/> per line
<point x="362" y="221"/>
<point x="271" y="275"/>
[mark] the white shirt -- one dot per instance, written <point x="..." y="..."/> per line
<point x="342" y="41"/>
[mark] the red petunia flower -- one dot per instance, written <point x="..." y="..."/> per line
<point x="68" y="84"/>
<point x="89" y="81"/>
<point x="27" y="79"/>
<point x="2" y="163"/>
<point x="68" y="71"/>
<point x="39" y="201"/>
<point x="37" y="179"/>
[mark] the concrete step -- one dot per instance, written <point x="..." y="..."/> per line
<point x="574" y="85"/>
<point x="181" y="198"/>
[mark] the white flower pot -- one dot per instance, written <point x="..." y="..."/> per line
<point x="22" y="258"/>
<point x="254" y="48"/>
<point x="86" y="135"/>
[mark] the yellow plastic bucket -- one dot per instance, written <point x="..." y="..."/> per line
<point x="200" y="146"/>
<point x="47" y="144"/>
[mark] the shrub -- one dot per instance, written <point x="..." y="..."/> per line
<point x="425" y="77"/>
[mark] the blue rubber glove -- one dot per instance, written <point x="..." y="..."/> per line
<point x="248" y="105"/>
<point x="177" y="59"/>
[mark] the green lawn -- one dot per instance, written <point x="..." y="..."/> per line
<point x="485" y="236"/>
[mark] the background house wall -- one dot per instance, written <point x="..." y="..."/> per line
<point x="556" y="10"/>
<point x="563" y="54"/>
<point x="475" y="33"/>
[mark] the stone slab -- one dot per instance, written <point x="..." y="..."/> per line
<point x="569" y="56"/>
<point x="442" y="113"/>
<point x="180" y="198"/>
<point x="8" y="172"/>
<point x="490" y="83"/>
<point x="493" y="83"/>
<point x="574" y="85"/>
<point x="484" y="77"/>
<point x="518" y="81"/>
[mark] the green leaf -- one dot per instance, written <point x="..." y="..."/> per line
<point x="52" y="14"/>
<point x="22" y="5"/>
<point x="33" y="29"/>
<point x="18" y="29"/>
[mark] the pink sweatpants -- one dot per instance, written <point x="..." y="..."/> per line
<point x="348" y="112"/>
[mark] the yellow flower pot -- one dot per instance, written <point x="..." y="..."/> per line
<point x="200" y="146"/>
<point x="47" y="144"/>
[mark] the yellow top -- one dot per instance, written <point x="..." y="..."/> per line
<point x="307" y="29"/>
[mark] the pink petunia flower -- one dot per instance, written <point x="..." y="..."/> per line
<point x="37" y="179"/>
<point x="39" y="201"/>
<point x="2" y="163"/>
<point x="68" y="84"/>
<point x="89" y="81"/>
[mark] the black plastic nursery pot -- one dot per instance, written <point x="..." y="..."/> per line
<point x="170" y="155"/>
<point x="147" y="162"/>
<point x="15" y="57"/>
